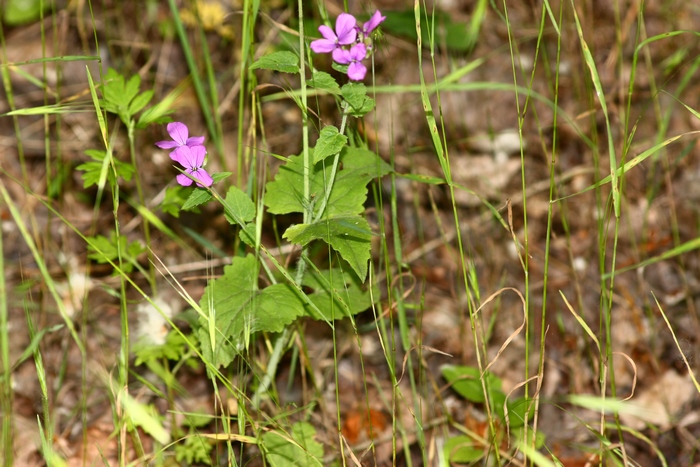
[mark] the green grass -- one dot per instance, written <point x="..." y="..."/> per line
<point x="606" y="150"/>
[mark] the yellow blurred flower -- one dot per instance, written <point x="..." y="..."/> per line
<point x="212" y="16"/>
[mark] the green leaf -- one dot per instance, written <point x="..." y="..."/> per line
<point x="93" y="170"/>
<point x="462" y="449"/>
<point x="175" y="197"/>
<point x="160" y="111"/>
<point x="366" y="107"/>
<point x="16" y="12"/>
<point x="354" y="94"/>
<point x="218" y="176"/>
<point x="337" y="294"/>
<point x="238" y="206"/>
<point x="140" y="102"/>
<point x="145" y="416"/>
<point x="194" y="449"/>
<point x="329" y="143"/>
<point x="104" y="250"/>
<point x="516" y="411"/>
<point x="247" y="235"/>
<point x="131" y="89"/>
<point x="323" y="82"/>
<point x="238" y="309"/>
<point x="114" y="91"/>
<point x="465" y="380"/>
<point x="285" y="62"/>
<point x="454" y="35"/>
<point x="174" y="348"/>
<point x="360" y="166"/>
<point x="349" y="236"/>
<point x="197" y="197"/>
<point x="122" y="98"/>
<point x="299" y="449"/>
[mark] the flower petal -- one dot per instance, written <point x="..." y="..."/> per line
<point x="357" y="71"/>
<point x="358" y="52"/>
<point x="183" y="180"/>
<point x="345" y="28"/>
<point x="167" y="144"/>
<point x="181" y="155"/>
<point x="323" y="46"/>
<point x="178" y="132"/>
<point x="327" y="33"/>
<point x="198" y="153"/>
<point x="341" y="56"/>
<point x="195" y="141"/>
<point x="373" y="22"/>
<point x="203" y="177"/>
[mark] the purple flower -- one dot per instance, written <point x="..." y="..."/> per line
<point x="345" y="34"/>
<point x="372" y="24"/>
<point x="192" y="159"/>
<point x="354" y="57"/>
<point x="178" y="132"/>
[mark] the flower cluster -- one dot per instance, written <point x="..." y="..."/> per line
<point x="349" y="44"/>
<point x="188" y="152"/>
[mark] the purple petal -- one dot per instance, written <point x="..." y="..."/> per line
<point x="203" y="177"/>
<point x="183" y="180"/>
<point x="327" y="33"/>
<point x="358" y="52"/>
<point x="167" y="144"/>
<point x="341" y="56"/>
<point x="373" y="22"/>
<point x="181" y="155"/>
<point x="195" y="141"/>
<point x="178" y="132"/>
<point x="198" y="153"/>
<point x="323" y="46"/>
<point x="345" y="28"/>
<point x="357" y="71"/>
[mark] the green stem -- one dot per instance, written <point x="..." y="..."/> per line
<point x="336" y="160"/>
<point x="281" y="342"/>
<point x="151" y="276"/>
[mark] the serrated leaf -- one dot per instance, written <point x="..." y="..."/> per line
<point x="238" y="206"/>
<point x="360" y="166"/>
<point x="336" y="293"/>
<point x="324" y="82"/>
<point x="284" y="194"/>
<point x="354" y="94"/>
<point x="240" y="309"/>
<point x="349" y="236"/>
<point x="247" y="235"/>
<point x="366" y="107"/>
<point x="330" y="142"/>
<point x="299" y="449"/>
<point x="284" y="61"/>
<point x="197" y="197"/>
